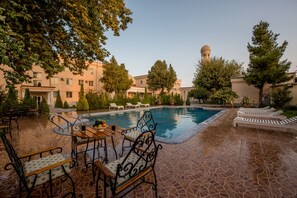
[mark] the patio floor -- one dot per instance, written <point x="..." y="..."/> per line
<point x="220" y="161"/>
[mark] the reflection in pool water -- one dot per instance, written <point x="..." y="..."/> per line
<point x="175" y="125"/>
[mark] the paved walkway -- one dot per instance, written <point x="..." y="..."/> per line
<point x="220" y="161"/>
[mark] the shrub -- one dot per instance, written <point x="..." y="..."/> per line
<point x="58" y="103"/>
<point x="82" y="104"/>
<point x="188" y="103"/>
<point x="28" y="100"/>
<point x="43" y="106"/>
<point x="178" y="99"/>
<point x="281" y="96"/>
<point x="65" y="105"/>
<point x="93" y="100"/>
<point x="146" y="98"/>
<point x="11" y="101"/>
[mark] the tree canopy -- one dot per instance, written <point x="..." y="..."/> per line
<point x="115" y="77"/>
<point x="161" y="77"/>
<point x="56" y="34"/>
<point x="265" y="65"/>
<point x="216" y="73"/>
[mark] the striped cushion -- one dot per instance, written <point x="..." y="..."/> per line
<point x="132" y="135"/>
<point x="135" y="162"/>
<point x="41" y="163"/>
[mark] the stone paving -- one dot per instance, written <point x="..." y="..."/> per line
<point x="220" y="161"/>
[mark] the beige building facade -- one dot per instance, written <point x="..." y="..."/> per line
<point x="243" y="89"/>
<point x="65" y="82"/>
<point x="68" y="84"/>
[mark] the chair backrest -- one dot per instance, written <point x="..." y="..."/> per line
<point x="113" y="104"/>
<point x="146" y="122"/>
<point x="140" y="158"/>
<point x="15" y="161"/>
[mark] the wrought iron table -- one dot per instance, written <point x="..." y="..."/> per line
<point x="96" y="135"/>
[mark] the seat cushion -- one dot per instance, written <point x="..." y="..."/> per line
<point x="133" y="159"/>
<point x="132" y="135"/>
<point x="41" y="163"/>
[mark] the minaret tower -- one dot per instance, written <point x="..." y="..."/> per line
<point x="205" y="53"/>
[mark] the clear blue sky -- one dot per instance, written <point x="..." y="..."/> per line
<point x="175" y="31"/>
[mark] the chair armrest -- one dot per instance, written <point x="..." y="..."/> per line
<point x="40" y="152"/>
<point x="104" y="169"/>
<point x="127" y="130"/>
<point x="46" y="168"/>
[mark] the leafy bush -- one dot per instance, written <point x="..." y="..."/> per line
<point x="28" y="100"/>
<point x="58" y="103"/>
<point x="178" y="99"/>
<point x="224" y="96"/>
<point x="43" y="106"/>
<point x="281" y="96"/>
<point x="188" y="103"/>
<point x="154" y="100"/>
<point x="93" y="100"/>
<point x="246" y="100"/>
<point x="82" y="104"/>
<point x="65" y="105"/>
<point x="146" y="98"/>
<point x="11" y="100"/>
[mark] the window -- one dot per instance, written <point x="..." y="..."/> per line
<point x="37" y="75"/>
<point x="91" y="71"/>
<point x="37" y="83"/>
<point x="68" y="94"/>
<point x="91" y="83"/>
<point x="69" y="81"/>
<point x="141" y="82"/>
<point x="55" y="94"/>
<point x="80" y="82"/>
<point x="54" y="81"/>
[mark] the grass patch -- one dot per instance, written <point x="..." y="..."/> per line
<point x="290" y="113"/>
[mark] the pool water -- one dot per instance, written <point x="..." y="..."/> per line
<point x="175" y="125"/>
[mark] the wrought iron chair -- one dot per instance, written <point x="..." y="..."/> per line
<point x="49" y="166"/>
<point x="145" y="123"/>
<point x="126" y="173"/>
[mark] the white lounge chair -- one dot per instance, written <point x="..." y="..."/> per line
<point x="287" y="124"/>
<point x="129" y="105"/>
<point x="115" y="106"/>
<point x="276" y="115"/>
<point x="257" y="110"/>
<point x="143" y="105"/>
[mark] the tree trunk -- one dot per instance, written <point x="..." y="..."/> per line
<point x="260" y="96"/>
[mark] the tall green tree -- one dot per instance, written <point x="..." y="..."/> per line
<point x="82" y="104"/>
<point x="265" y="64"/>
<point x="216" y="73"/>
<point x="161" y="77"/>
<point x="56" y="34"/>
<point x="115" y="77"/>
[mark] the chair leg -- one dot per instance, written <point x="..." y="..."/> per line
<point x="155" y="186"/>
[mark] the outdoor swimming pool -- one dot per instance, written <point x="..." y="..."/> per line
<point x="175" y="124"/>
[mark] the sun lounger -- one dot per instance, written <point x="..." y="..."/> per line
<point x="143" y="105"/>
<point x="257" y="110"/>
<point x="286" y="125"/>
<point x="276" y="115"/>
<point x="129" y="105"/>
<point x="115" y="106"/>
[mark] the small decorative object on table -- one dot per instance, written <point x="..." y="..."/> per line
<point x="100" y="124"/>
<point x="113" y="128"/>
